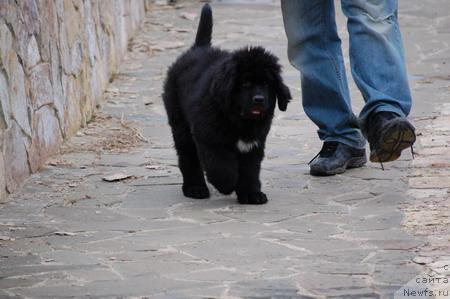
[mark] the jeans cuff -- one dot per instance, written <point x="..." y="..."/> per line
<point x="357" y="142"/>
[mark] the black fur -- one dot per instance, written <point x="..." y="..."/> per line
<point x="204" y="31"/>
<point x="213" y="99"/>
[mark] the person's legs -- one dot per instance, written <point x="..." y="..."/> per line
<point x="376" y="56"/>
<point x="378" y="68"/>
<point x="315" y="49"/>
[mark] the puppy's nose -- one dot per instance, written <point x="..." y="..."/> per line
<point x="258" y="99"/>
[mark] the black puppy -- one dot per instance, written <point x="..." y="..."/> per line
<point x="220" y="106"/>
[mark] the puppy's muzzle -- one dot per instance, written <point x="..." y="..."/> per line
<point x="258" y="99"/>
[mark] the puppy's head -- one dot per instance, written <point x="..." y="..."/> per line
<point x="249" y="84"/>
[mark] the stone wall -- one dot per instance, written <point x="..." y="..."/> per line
<point x="56" y="58"/>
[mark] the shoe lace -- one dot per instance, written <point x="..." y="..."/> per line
<point x="412" y="154"/>
<point x="328" y="149"/>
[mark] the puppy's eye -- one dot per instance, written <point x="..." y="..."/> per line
<point x="246" y="84"/>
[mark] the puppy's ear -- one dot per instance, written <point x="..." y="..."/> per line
<point x="282" y="92"/>
<point x="222" y="83"/>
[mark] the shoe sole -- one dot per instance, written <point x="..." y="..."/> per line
<point x="352" y="163"/>
<point x="398" y="136"/>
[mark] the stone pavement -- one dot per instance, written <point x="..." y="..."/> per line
<point x="362" y="234"/>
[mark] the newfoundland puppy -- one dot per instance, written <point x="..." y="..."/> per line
<point x="220" y="106"/>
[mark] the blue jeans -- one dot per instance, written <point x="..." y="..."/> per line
<point x="376" y="58"/>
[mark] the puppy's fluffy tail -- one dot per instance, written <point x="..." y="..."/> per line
<point x="205" y="25"/>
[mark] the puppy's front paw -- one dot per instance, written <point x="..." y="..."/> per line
<point x="198" y="191"/>
<point x="256" y="198"/>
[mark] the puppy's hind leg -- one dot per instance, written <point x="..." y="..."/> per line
<point x="194" y="185"/>
<point x="221" y="168"/>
